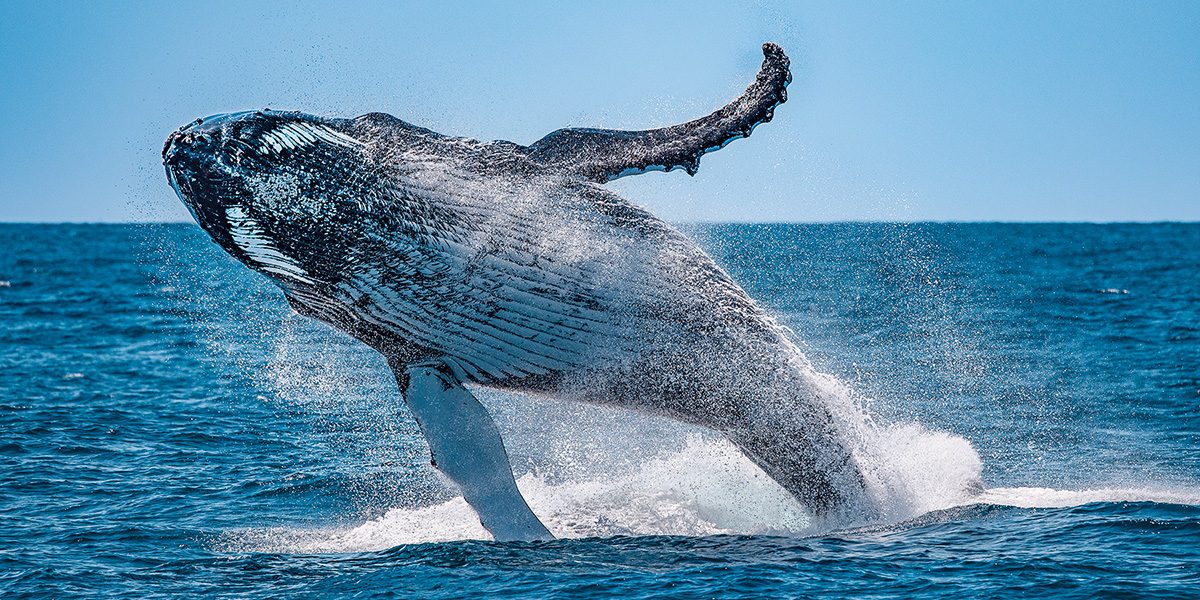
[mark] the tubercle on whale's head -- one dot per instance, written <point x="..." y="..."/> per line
<point x="267" y="186"/>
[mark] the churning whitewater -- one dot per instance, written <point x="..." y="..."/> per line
<point x="510" y="267"/>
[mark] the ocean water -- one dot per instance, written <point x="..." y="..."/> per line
<point x="168" y="428"/>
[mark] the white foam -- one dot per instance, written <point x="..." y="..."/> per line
<point x="707" y="488"/>
<point x="908" y="469"/>
<point x="1041" y="497"/>
<point x="916" y="470"/>
<point x="449" y="521"/>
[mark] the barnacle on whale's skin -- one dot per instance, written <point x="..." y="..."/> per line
<point x="512" y="266"/>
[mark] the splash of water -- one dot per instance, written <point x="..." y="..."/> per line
<point x="590" y="471"/>
<point x="705" y="488"/>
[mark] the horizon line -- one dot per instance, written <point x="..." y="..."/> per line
<point x="736" y="222"/>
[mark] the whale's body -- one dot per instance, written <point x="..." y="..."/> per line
<point x="511" y="266"/>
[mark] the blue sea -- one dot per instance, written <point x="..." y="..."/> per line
<point x="169" y="428"/>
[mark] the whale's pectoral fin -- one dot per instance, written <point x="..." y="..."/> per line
<point x="466" y="447"/>
<point x="604" y="154"/>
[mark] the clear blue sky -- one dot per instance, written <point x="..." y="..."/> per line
<point x="899" y="110"/>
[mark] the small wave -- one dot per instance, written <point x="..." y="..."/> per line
<point x="446" y="522"/>
<point x="1041" y="497"/>
<point x="917" y="470"/>
<point x="567" y="511"/>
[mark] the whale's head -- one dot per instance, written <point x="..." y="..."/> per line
<point x="274" y="189"/>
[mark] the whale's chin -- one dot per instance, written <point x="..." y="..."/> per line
<point x="206" y="199"/>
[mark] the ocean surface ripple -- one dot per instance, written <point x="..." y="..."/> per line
<point x="168" y="428"/>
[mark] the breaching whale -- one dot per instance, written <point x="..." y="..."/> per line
<point x="509" y="266"/>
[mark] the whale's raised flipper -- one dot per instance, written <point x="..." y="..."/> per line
<point x="466" y="447"/>
<point x="605" y="154"/>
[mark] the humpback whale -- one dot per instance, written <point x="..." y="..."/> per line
<point x="508" y="266"/>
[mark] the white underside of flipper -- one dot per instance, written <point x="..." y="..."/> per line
<point x="467" y="448"/>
